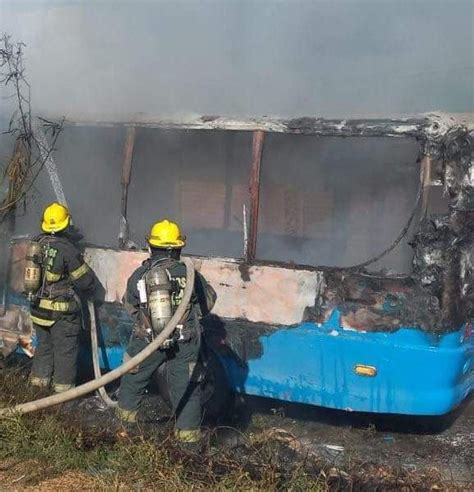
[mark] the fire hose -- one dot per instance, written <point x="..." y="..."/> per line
<point x="95" y="357"/>
<point x="100" y="382"/>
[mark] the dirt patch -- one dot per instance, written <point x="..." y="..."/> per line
<point x="442" y="445"/>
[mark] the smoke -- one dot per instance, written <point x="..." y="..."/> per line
<point x="241" y="57"/>
<point x="336" y="202"/>
<point x="89" y="167"/>
<point x="324" y="201"/>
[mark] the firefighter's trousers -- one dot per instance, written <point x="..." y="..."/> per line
<point x="56" y="355"/>
<point x="183" y="370"/>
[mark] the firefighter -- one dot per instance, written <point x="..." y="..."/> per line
<point x="182" y="352"/>
<point x="55" y="308"/>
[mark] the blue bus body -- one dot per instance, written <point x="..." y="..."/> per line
<point x="414" y="372"/>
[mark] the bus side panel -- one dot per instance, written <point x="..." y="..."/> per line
<point x="416" y="373"/>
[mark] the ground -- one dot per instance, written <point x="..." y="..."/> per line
<point x="266" y="445"/>
<point x="446" y="444"/>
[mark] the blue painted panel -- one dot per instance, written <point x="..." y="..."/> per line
<point x="113" y="357"/>
<point x="417" y="373"/>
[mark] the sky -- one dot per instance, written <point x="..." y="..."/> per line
<point x="336" y="58"/>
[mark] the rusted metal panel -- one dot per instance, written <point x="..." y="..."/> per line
<point x="274" y="295"/>
<point x="15" y="326"/>
<point x="425" y="177"/>
<point x="254" y="190"/>
<point x="17" y="265"/>
<point x="15" y="322"/>
<point x="269" y="294"/>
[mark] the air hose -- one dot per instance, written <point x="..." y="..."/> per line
<point x="95" y="384"/>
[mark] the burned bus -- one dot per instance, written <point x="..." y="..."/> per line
<point x="340" y="250"/>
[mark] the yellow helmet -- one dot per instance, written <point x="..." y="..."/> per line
<point x="55" y="218"/>
<point x="166" y="235"/>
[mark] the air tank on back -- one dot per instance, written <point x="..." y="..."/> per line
<point x="159" y="297"/>
<point x="32" y="272"/>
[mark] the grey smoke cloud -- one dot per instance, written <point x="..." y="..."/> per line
<point x="246" y="57"/>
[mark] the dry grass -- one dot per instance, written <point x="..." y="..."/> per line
<point x="34" y="475"/>
<point x="52" y="450"/>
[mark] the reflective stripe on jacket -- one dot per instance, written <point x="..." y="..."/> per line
<point x="65" y="272"/>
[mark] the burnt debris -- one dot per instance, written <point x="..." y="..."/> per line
<point x="439" y="295"/>
<point x="378" y="303"/>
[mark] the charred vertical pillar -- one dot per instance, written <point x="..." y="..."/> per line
<point x="425" y="178"/>
<point x="451" y="301"/>
<point x="254" y="190"/>
<point x="125" y="182"/>
<point x="458" y="180"/>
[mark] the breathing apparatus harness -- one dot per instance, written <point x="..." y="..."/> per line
<point x="157" y="292"/>
<point x="56" y="296"/>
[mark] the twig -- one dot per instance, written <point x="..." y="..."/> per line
<point x="29" y="154"/>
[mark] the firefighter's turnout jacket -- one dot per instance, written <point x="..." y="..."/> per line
<point x="56" y="312"/>
<point x="64" y="273"/>
<point x="182" y="355"/>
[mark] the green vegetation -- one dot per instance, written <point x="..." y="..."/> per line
<point x="57" y="450"/>
<point x="58" y="447"/>
<point x="51" y="445"/>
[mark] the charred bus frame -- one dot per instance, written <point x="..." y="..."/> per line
<point x="442" y="139"/>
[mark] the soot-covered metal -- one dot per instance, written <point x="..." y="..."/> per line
<point x="438" y="297"/>
<point x="443" y="245"/>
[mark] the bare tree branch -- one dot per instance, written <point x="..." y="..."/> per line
<point x="29" y="154"/>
